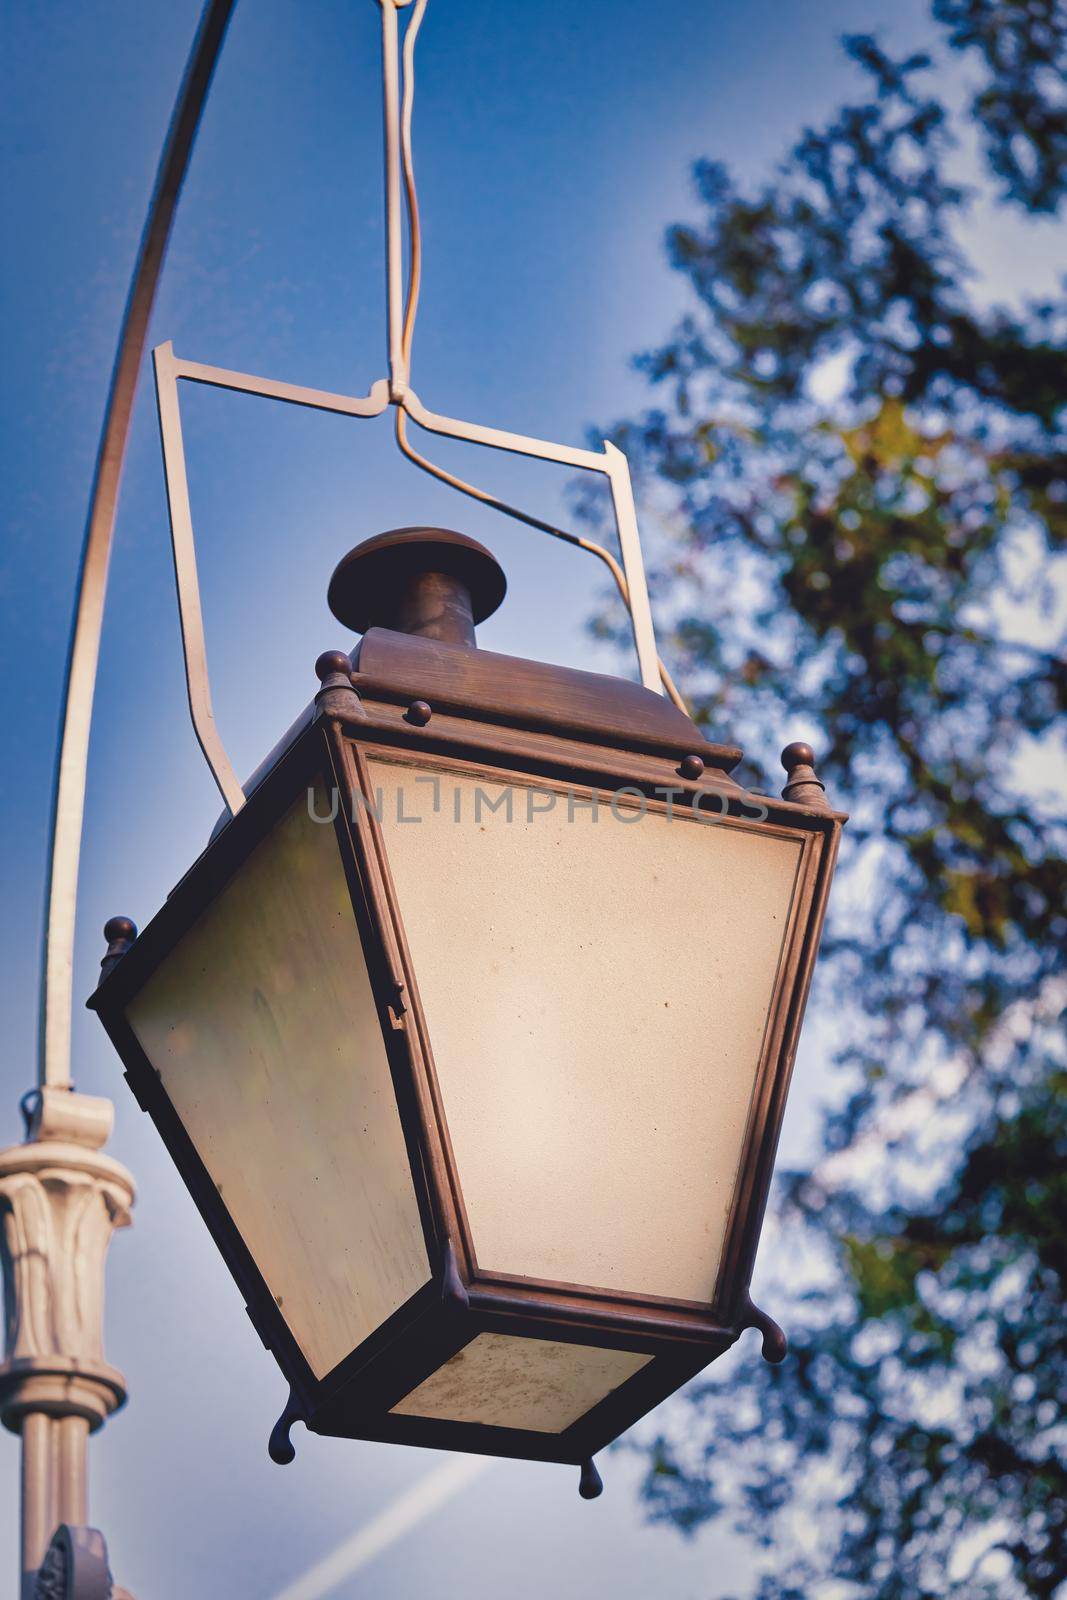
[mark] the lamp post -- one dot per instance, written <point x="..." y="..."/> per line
<point x="470" y="1033"/>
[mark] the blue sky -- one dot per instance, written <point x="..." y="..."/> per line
<point x="553" y="144"/>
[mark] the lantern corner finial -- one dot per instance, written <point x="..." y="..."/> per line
<point x="333" y="664"/>
<point x="337" y="695"/>
<point x="590" y="1484"/>
<point x="804" y="787"/>
<point x="120" y="932"/>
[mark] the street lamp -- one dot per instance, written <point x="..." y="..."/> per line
<point x="480" y="1112"/>
<point x="470" y="1033"/>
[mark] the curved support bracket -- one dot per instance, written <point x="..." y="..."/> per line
<point x="280" y="1447"/>
<point x="775" y="1344"/>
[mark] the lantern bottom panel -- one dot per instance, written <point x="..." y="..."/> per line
<point x="506" y="1382"/>
<point x="458" y="1377"/>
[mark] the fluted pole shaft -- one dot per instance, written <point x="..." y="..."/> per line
<point x="37" y="1496"/>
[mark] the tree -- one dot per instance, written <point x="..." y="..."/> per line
<point x="859" y="475"/>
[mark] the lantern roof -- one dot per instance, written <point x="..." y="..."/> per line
<point x="391" y="670"/>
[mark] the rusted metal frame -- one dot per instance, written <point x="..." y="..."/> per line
<point x="436" y="1145"/>
<point x="389" y="982"/>
<point x="569" y="1301"/>
<point x="462" y="738"/>
<point x="68" y="793"/>
<point x="760" y="1141"/>
<point x="750" y="1201"/>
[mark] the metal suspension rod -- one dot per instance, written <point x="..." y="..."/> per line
<point x="394" y="244"/>
<point x="68" y="801"/>
<point x="643" y="632"/>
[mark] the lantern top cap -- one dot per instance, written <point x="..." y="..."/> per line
<point x="368" y="581"/>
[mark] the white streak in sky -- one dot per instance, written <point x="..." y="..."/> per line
<point x="399" y="1517"/>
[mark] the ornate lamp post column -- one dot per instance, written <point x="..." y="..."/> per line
<point x="61" y="1199"/>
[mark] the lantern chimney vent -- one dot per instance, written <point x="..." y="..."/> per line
<point x="426" y="581"/>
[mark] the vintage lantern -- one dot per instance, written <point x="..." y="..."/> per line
<point x="471" y="1032"/>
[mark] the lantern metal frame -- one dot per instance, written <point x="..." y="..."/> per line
<point x="344" y="731"/>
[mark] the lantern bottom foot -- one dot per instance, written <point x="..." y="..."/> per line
<point x="280" y="1447"/>
<point x="775" y="1344"/>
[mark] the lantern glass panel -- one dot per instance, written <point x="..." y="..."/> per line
<point x="597" y="987"/>
<point x="262" y="1026"/>
<point x="542" y="1385"/>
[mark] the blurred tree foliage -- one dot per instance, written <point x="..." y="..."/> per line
<point x="859" y="474"/>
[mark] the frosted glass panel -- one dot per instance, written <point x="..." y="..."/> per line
<point x="597" y="992"/>
<point x="505" y="1382"/>
<point x="262" y="1027"/>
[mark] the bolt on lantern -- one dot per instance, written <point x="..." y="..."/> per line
<point x="470" y="1034"/>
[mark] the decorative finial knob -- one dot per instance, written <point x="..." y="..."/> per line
<point x="337" y="695"/>
<point x="691" y="767"/>
<point x="333" y="663"/>
<point x="804" y="787"/>
<point x="590" y="1483"/>
<point x="797" y="755"/>
<point x="120" y="933"/>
